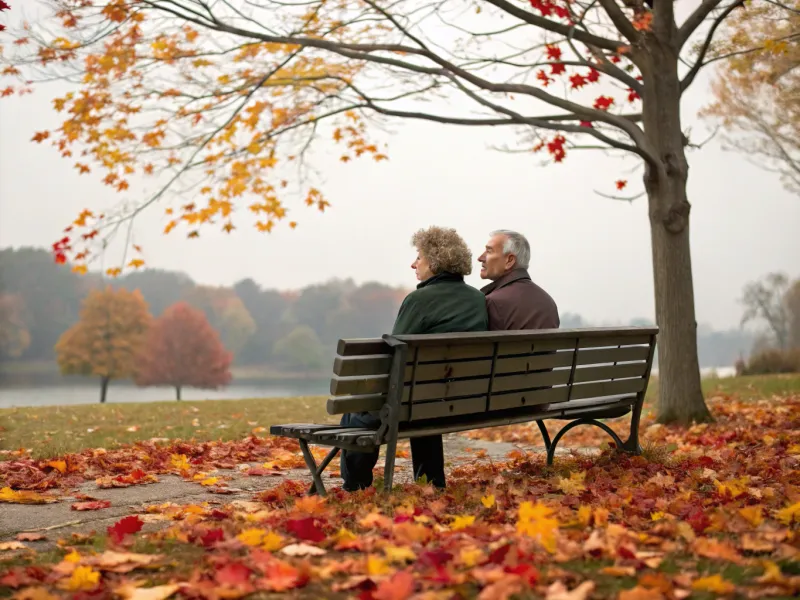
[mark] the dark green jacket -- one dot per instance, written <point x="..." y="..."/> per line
<point x="442" y="304"/>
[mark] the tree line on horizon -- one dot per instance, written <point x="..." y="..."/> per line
<point x="296" y="330"/>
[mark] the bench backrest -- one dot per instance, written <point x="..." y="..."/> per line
<point x="448" y="375"/>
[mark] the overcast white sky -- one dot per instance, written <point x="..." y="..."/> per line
<point x="592" y="254"/>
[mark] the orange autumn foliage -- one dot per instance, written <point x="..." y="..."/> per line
<point x="107" y="340"/>
<point x="183" y="350"/>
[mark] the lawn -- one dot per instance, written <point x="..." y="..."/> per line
<point x="52" y="430"/>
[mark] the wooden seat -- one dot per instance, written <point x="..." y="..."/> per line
<point x="421" y="385"/>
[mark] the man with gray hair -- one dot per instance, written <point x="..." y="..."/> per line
<point x="513" y="300"/>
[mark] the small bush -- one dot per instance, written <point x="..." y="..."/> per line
<point x="771" y="361"/>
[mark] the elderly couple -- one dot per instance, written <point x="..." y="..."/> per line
<point x="444" y="303"/>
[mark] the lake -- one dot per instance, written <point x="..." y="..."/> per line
<point x="88" y="392"/>
<point x="66" y="390"/>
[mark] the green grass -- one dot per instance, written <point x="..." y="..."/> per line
<point x="52" y="430"/>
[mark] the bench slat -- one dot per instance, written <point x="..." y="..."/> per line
<point x="526" y="381"/>
<point x="529" y="398"/>
<point x="614" y="340"/>
<point x="611" y="355"/>
<point x="348" y="404"/>
<point x="454" y="352"/>
<point x="355" y="386"/>
<point x="361" y="365"/>
<point x="587" y="374"/>
<point x="607" y="388"/>
<point x="362" y="347"/>
<point x="444" y="390"/>
<point x="433" y="410"/>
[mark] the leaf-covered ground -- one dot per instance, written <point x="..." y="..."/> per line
<point x="709" y="511"/>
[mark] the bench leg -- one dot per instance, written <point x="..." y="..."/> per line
<point x="551" y="451"/>
<point x="318" y="486"/>
<point x="321" y="468"/>
<point x="388" y="470"/>
<point x="545" y="435"/>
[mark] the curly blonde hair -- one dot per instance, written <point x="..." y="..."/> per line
<point x="445" y="250"/>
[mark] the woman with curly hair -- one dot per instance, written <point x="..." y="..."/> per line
<point x="442" y="303"/>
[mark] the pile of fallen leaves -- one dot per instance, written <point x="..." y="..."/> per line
<point x="716" y="515"/>
<point x="142" y="463"/>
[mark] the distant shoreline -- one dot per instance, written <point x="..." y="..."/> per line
<point x="15" y="370"/>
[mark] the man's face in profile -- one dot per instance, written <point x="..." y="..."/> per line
<point x="494" y="264"/>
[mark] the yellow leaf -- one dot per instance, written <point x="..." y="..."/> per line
<point x="79" y="269"/>
<point x="73" y="557"/>
<point x="573" y="485"/>
<point x="789" y="514"/>
<point x="399" y="554"/>
<point x="462" y="522"/>
<point x="713" y="583"/>
<point x="252" y="536"/>
<point x="657" y="516"/>
<point x="753" y="515"/>
<point x="488" y="501"/>
<point x="344" y="536"/>
<point x="376" y="565"/>
<point x="535" y="521"/>
<point x="180" y="462"/>
<point x="59" y="465"/>
<point x="83" y="578"/>
<point x="209" y="481"/>
<point x="471" y="556"/>
<point x="272" y="542"/>
<point x="136" y="263"/>
<point x="585" y="515"/>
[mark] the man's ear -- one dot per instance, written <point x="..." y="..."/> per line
<point x="511" y="261"/>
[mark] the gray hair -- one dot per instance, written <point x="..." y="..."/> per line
<point x="516" y="244"/>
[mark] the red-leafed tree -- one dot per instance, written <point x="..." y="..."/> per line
<point x="183" y="350"/>
<point x="222" y="97"/>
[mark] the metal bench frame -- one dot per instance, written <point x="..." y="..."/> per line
<point x="579" y="412"/>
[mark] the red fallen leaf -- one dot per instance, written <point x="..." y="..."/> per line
<point x="234" y="575"/>
<point x="305" y="529"/>
<point x="499" y="555"/>
<point x="219" y="515"/>
<point x="526" y="572"/>
<point x="211" y="537"/>
<point x="93" y="505"/>
<point x="698" y="519"/>
<point x="262" y="472"/>
<point x="398" y="587"/>
<point x="280" y="576"/>
<point x="126" y="526"/>
<point x="435" y="558"/>
<point x="30" y="536"/>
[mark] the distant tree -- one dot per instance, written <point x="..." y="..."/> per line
<point x="301" y="349"/>
<point x="106" y="342"/>
<point x="226" y="313"/>
<point x="755" y="90"/>
<point x="366" y="311"/>
<point x="767" y="300"/>
<point x="792" y="302"/>
<point x="160" y="288"/>
<point x="50" y="293"/>
<point x="316" y="302"/>
<point x="14" y="335"/>
<point x="183" y="350"/>
<point x="267" y="308"/>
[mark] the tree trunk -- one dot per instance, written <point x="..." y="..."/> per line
<point x="680" y="393"/>
<point x="104" y="388"/>
<point x="177" y="392"/>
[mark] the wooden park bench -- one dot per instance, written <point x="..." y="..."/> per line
<point x="443" y="383"/>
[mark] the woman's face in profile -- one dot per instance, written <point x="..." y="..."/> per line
<point x="422" y="267"/>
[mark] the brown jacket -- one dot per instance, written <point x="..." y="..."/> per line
<point x="515" y="302"/>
